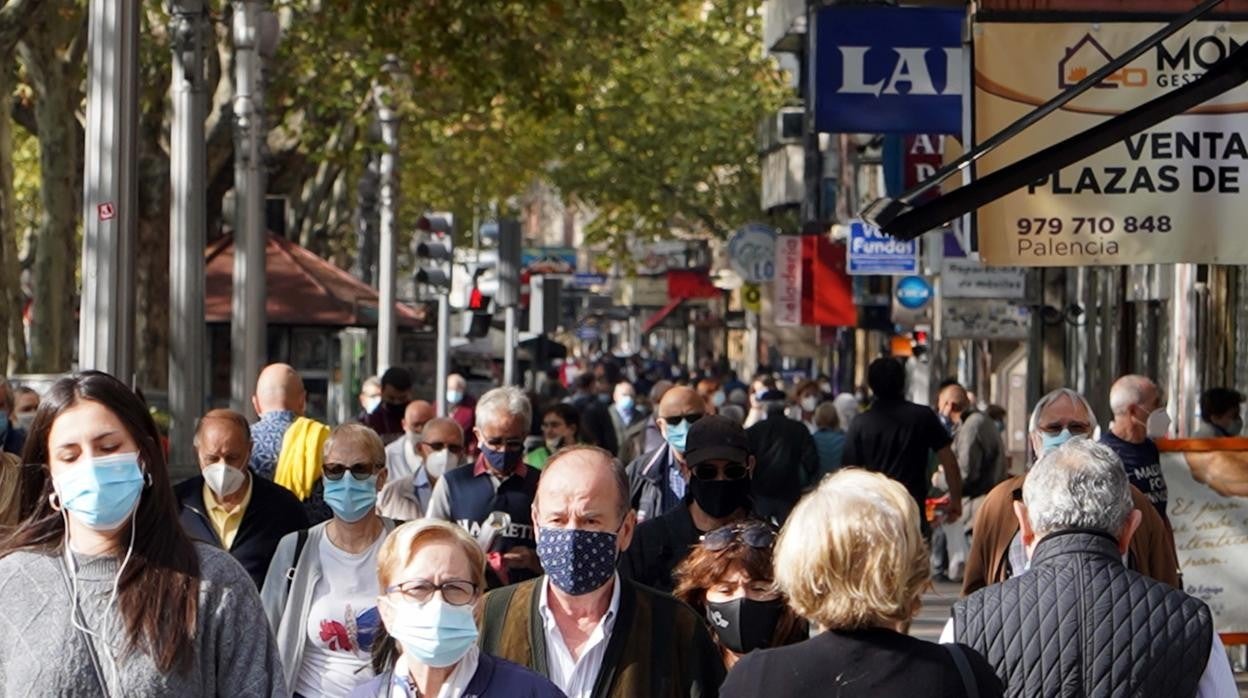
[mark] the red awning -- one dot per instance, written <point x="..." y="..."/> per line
<point x="301" y="289"/>
<point x="660" y="315"/>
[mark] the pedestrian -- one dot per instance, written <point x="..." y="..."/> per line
<point x="402" y="455"/>
<point x="712" y="396"/>
<point x="653" y="435"/>
<point x="25" y="405"/>
<point x="787" y="459"/>
<point x="980" y="453"/>
<point x="396" y="393"/>
<point x="847" y="408"/>
<point x="441" y="449"/>
<point x="105" y="595"/>
<point x="655" y="483"/>
<point x="320" y="594"/>
<point x="370" y="397"/>
<point x="627" y="422"/>
<point x="996" y="551"/>
<point x="561" y="426"/>
<point x="1080" y="622"/>
<point x="1220" y="414"/>
<point x="806" y="398"/>
<point x="717" y="471"/>
<point x="897" y="437"/>
<point x="593" y="633"/>
<point x="729" y="578"/>
<point x="829" y="439"/>
<point x="1139" y="418"/>
<point x="461" y="406"/>
<point x="230" y="507"/>
<point x="10" y="492"/>
<point x="496" y="493"/>
<point x="12" y="436"/>
<point x="287" y="446"/>
<point x="851" y="559"/>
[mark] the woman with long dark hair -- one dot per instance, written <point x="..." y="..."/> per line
<point x="106" y="593"/>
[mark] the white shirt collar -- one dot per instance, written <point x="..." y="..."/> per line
<point x="608" y="619"/>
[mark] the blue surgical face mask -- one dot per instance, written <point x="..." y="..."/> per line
<point x="1050" y="442"/>
<point x="454" y="397"/>
<point x="625" y="403"/>
<point x="678" y="435"/>
<point x="434" y="633"/>
<point x="101" y="493"/>
<point x="351" y="499"/>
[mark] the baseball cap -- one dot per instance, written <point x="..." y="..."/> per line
<point x="715" y="437"/>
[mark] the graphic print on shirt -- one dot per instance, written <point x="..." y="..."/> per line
<point x="356" y="633"/>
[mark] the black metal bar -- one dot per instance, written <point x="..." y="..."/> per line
<point x="1220" y="79"/>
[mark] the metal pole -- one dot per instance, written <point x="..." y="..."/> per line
<point x="386" y="320"/>
<point x="812" y="165"/>
<point x="247" y="330"/>
<point x="509" y="347"/>
<point x="187" y="234"/>
<point x="444" y="351"/>
<point x="110" y="197"/>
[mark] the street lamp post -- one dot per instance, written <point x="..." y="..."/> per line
<point x="110" y="197"/>
<point x="388" y="118"/>
<point x="187" y="233"/>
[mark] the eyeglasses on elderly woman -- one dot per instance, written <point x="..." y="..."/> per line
<point x="456" y="592"/>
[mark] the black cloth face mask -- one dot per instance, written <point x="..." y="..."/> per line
<point x="744" y="625"/>
<point x="720" y="498"/>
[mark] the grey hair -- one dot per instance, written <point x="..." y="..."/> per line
<point x="1081" y="484"/>
<point x="1033" y="425"/>
<point x="507" y="402"/>
<point x="1128" y="391"/>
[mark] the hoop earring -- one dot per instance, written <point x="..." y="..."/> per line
<point x="54" y="501"/>
<point x="147" y="479"/>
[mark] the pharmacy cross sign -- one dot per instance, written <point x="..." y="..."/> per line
<point x="107" y="211"/>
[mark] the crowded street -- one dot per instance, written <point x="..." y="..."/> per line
<point x="623" y="349"/>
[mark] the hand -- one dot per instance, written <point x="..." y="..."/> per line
<point x="953" y="512"/>
<point x="522" y="558"/>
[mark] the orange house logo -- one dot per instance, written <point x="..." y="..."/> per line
<point x="1088" y="56"/>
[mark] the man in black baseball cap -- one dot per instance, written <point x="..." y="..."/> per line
<point x="718" y="467"/>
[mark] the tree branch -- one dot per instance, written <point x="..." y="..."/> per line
<point x="14" y="19"/>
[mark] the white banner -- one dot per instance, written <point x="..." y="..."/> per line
<point x="788" y="303"/>
<point x="966" y="278"/>
<point x="983" y="318"/>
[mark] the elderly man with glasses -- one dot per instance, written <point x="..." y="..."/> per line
<point x="717" y="469"/>
<point x="997" y="551"/>
<point x="493" y="499"/>
<point x="435" y="450"/>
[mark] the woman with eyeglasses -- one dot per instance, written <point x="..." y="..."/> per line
<point x="320" y="594"/>
<point x="104" y="594"/>
<point x="851" y="559"/>
<point x="431" y="574"/>
<point x="729" y="579"/>
<point x="561" y="426"/>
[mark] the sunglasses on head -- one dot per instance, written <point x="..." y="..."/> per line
<point x="359" y="471"/>
<point x="710" y="471"/>
<point x="755" y="534"/>
<point x="676" y="419"/>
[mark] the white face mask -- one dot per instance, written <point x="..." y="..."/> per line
<point x="438" y="462"/>
<point x="223" y="479"/>
<point x="809" y="403"/>
<point x="1158" y="424"/>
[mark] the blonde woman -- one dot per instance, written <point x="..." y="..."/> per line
<point x="851" y="560"/>
<point x="431" y="573"/>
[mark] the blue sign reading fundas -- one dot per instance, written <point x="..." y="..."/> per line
<point x="873" y="252"/>
<point x="882" y="69"/>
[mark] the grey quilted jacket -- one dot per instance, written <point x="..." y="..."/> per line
<point x="1080" y="624"/>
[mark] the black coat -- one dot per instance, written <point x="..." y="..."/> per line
<point x="272" y="513"/>
<point x="786" y="461"/>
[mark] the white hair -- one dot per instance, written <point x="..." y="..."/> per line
<point x="1033" y="425"/>
<point x="1128" y="391"/>
<point x="1081" y="484"/>
<point x="505" y="403"/>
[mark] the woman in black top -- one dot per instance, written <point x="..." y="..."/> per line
<point x="851" y="560"/>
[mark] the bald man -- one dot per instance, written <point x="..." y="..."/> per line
<point x="656" y="485"/>
<point x="1139" y="417"/>
<point x="402" y="457"/>
<point x="581" y="625"/>
<point x="226" y="505"/>
<point x="286" y="445"/>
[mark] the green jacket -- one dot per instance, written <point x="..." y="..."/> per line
<point x="659" y="647"/>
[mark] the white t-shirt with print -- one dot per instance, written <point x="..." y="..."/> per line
<point x="341" y="624"/>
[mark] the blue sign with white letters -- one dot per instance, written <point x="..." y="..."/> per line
<point x="882" y="69"/>
<point x="913" y="292"/>
<point x="873" y="252"/>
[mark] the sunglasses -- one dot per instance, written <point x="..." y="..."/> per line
<point x="359" y="471"/>
<point x="710" y="471"/>
<point x="1076" y="428"/>
<point x="676" y="419"/>
<point x="755" y="534"/>
<point x="455" y="592"/>
<point x="457" y="449"/>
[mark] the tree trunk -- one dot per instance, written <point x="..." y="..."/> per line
<point x="58" y="95"/>
<point x="152" y="267"/>
<point x="8" y="250"/>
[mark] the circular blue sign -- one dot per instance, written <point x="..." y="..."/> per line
<point x="913" y="292"/>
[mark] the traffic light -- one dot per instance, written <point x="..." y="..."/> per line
<point x="435" y="251"/>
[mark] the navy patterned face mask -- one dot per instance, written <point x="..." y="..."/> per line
<point x="577" y="561"/>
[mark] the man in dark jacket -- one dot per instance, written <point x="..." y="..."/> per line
<point x="1079" y="622"/>
<point x="396" y="392"/>
<point x="787" y="460"/>
<point x="227" y="506"/>
<point x="717" y="467"/>
<point x="656" y="485"/>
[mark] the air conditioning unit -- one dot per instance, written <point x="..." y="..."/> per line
<point x="785" y="127"/>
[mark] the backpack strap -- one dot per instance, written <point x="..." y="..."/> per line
<point x="964" y="669"/>
<point x="301" y="539"/>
